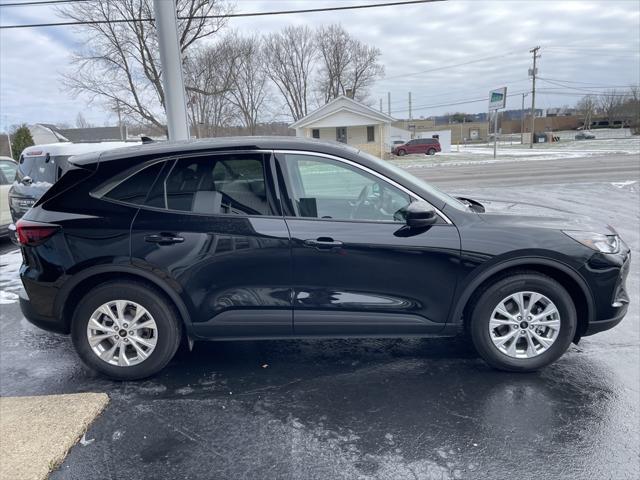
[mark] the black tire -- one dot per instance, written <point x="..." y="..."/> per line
<point x="489" y="298"/>
<point x="402" y="153"/>
<point x="431" y="151"/>
<point x="164" y="314"/>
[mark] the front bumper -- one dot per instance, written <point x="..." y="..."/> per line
<point x="51" y="324"/>
<point x="598" y="326"/>
<point x="608" y="275"/>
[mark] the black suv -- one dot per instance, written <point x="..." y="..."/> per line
<point x="134" y="249"/>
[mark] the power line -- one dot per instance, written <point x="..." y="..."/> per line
<point x="454" y="103"/>
<point x="231" y="15"/>
<point x="581" y="89"/>
<point x="475" y="89"/>
<point x="581" y="83"/>
<point x="477" y="60"/>
<point x="43" y="2"/>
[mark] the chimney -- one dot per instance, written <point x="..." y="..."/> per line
<point x="349" y="92"/>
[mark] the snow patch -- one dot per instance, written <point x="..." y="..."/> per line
<point x="10" y="277"/>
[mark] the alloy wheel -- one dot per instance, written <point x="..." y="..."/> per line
<point x="122" y="333"/>
<point x="524" y="325"/>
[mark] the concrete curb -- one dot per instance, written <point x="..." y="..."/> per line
<point x="36" y="433"/>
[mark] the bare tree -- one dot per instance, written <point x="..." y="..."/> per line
<point x="365" y="69"/>
<point x="586" y="107"/>
<point x="610" y="103"/>
<point x="334" y="45"/>
<point x="347" y="64"/>
<point x="211" y="72"/>
<point x="81" y="122"/>
<point x="250" y="82"/>
<point x="290" y="56"/>
<point x="120" y="61"/>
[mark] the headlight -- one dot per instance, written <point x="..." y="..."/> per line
<point x="597" y="241"/>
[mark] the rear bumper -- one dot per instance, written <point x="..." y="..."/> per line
<point x="51" y="324"/>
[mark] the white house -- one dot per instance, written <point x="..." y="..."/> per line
<point x="347" y="121"/>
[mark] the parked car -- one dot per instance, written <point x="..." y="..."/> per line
<point x="8" y="168"/>
<point x="279" y="237"/>
<point x="40" y="167"/>
<point x="585" y="136"/>
<point x="430" y="146"/>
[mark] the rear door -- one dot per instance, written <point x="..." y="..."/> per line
<point x="357" y="270"/>
<point x="212" y="227"/>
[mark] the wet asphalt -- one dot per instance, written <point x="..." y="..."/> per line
<point x="361" y="409"/>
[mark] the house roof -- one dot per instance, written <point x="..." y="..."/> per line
<point x="342" y="103"/>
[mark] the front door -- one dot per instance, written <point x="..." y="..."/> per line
<point x="356" y="268"/>
<point x="341" y="134"/>
<point x="213" y="229"/>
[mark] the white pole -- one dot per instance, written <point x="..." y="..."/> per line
<point x="171" y="60"/>
<point x="495" y="133"/>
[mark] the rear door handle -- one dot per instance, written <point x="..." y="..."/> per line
<point x="323" y="243"/>
<point x="163" y="238"/>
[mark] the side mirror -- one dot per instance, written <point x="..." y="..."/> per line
<point x="420" y="215"/>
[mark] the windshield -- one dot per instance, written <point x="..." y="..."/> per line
<point x="440" y="195"/>
<point x="41" y="168"/>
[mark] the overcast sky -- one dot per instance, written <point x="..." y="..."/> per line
<point x="586" y="46"/>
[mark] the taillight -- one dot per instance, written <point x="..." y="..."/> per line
<point x="34" y="233"/>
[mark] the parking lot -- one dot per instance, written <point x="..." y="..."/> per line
<point x="369" y="409"/>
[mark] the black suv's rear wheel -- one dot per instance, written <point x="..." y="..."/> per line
<point x="523" y="322"/>
<point x="125" y="330"/>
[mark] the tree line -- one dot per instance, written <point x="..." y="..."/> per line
<point x="229" y="78"/>
<point x="612" y="105"/>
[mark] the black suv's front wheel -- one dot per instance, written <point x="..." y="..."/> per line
<point x="125" y="330"/>
<point x="523" y="322"/>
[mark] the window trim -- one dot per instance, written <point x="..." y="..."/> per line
<point x="365" y="169"/>
<point x="101" y="192"/>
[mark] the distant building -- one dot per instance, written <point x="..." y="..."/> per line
<point x="348" y="121"/>
<point x="44" y="133"/>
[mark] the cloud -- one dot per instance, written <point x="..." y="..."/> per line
<point x="587" y="41"/>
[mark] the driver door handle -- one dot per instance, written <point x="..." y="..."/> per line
<point x="323" y="243"/>
<point x="163" y="239"/>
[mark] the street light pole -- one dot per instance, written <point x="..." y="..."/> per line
<point x="171" y="60"/>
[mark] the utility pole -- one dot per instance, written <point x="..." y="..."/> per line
<point x="410" y="114"/>
<point x="522" y="120"/>
<point x="381" y="105"/>
<point x="388" y="103"/>
<point x="533" y="93"/>
<point x="171" y="61"/>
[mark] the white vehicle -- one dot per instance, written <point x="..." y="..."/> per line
<point x="40" y="166"/>
<point x="8" y="167"/>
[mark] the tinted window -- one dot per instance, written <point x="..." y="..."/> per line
<point x="135" y="188"/>
<point x="324" y="188"/>
<point x="315" y="133"/>
<point x="219" y="184"/>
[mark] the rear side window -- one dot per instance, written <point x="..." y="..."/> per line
<point x="135" y="188"/>
<point x="218" y="184"/>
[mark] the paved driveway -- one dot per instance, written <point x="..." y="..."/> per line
<point x="370" y="409"/>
